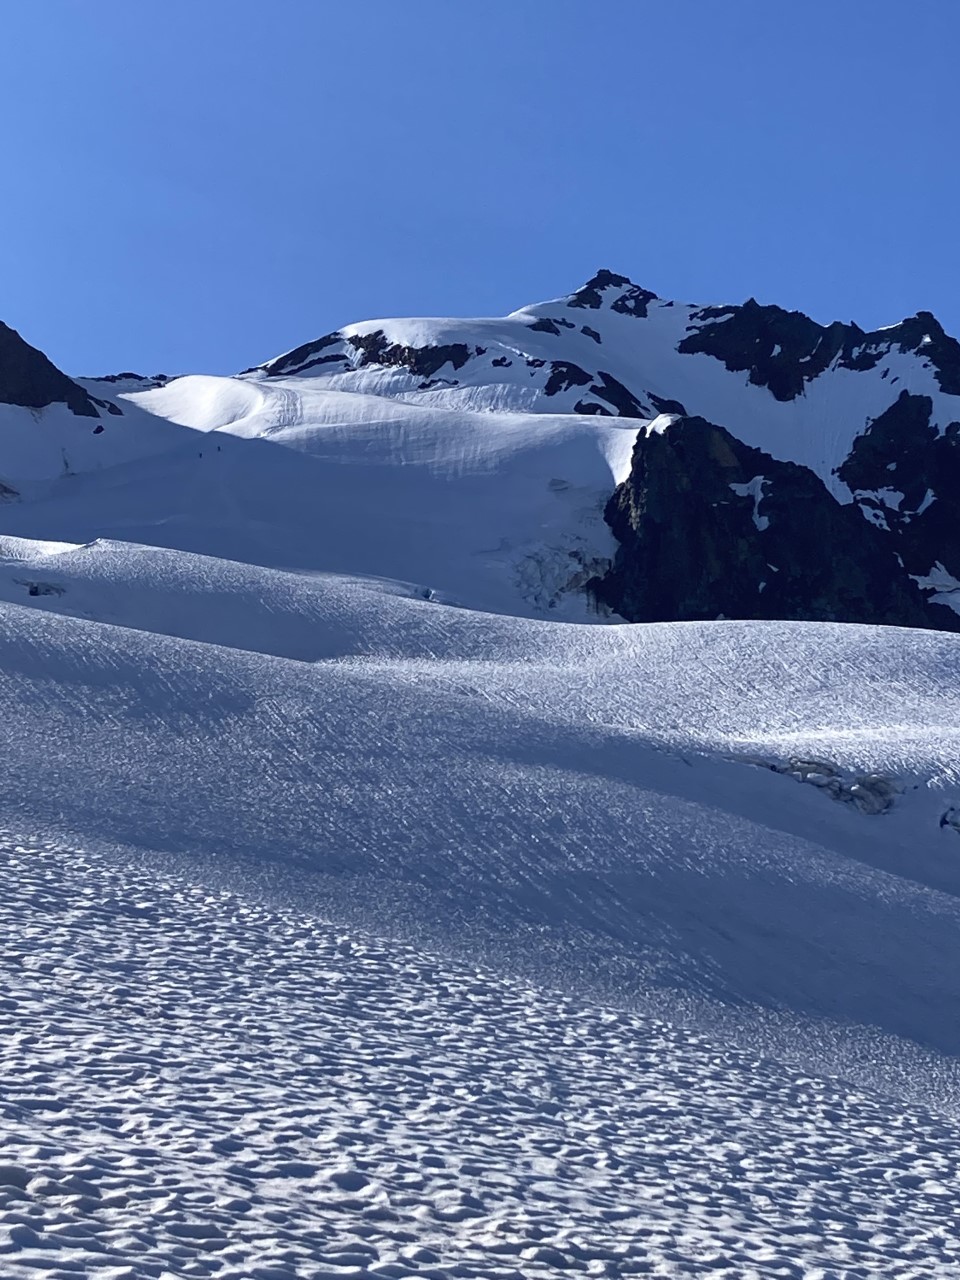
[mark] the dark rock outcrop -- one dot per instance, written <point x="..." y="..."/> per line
<point x="663" y="405"/>
<point x="784" y="350"/>
<point x="544" y="325"/>
<point x="779" y="349"/>
<point x="563" y="376"/>
<point x="548" y="325"/>
<point x="631" y="299"/>
<point x="307" y="356"/>
<point x="620" y="398"/>
<point x="904" y="458"/>
<point x="29" y="379"/>
<point x="709" y="527"/>
<point x="146" y="381"/>
<point x="373" y="348"/>
<point x="591" y="409"/>
<point x="923" y="335"/>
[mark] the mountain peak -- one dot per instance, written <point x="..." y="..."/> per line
<point x="30" y="380"/>
<point x="632" y="299"/>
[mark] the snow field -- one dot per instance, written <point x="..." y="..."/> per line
<point x="583" y="804"/>
<point x="493" y="511"/>
<point x="197" y="1085"/>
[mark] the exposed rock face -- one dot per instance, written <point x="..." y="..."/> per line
<point x="361" y="350"/>
<point x="907" y="471"/>
<point x="871" y="793"/>
<point x="29" y="379"/>
<point x="631" y="299"/>
<point x="374" y="348"/>
<point x="310" y="355"/>
<point x="709" y="527"/>
<point x="129" y="381"/>
<point x="784" y="350"/>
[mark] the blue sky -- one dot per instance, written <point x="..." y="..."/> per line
<point x="200" y="184"/>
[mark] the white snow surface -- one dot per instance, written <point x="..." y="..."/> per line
<point x="495" y="511"/>
<point x="945" y="586"/>
<point x="42" y="444"/>
<point x="198" y="1085"/>
<point x="754" y="490"/>
<point x="369" y="910"/>
<point x="583" y="800"/>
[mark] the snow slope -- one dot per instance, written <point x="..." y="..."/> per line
<point x="586" y="802"/>
<point x="196" y="1085"/>
<point x="38" y="445"/>
<point x="495" y="511"/>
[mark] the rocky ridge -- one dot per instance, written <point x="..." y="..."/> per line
<point x="31" y="381"/>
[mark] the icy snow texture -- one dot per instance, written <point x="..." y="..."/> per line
<point x="195" y="1085"/>
<point x="582" y="799"/>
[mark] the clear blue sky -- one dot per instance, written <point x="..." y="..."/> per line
<point x="200" y="184"/>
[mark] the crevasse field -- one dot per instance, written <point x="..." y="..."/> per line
<point x="371" y="907"/>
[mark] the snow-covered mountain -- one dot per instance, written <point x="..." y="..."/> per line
<point x="377" y="901"/>
<point x="770" y="435"/>
<point x="784" y="469"/>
